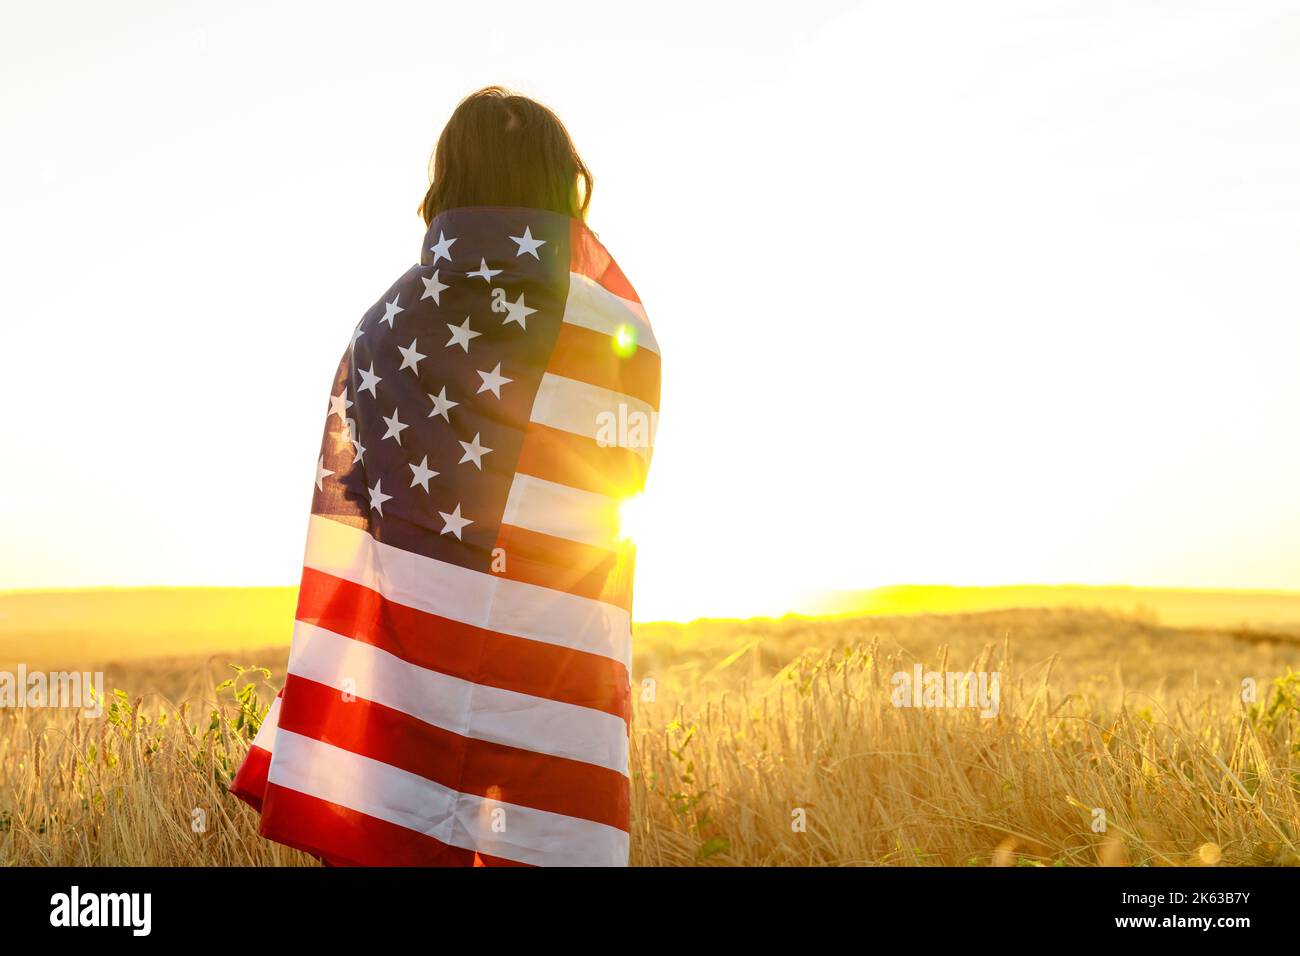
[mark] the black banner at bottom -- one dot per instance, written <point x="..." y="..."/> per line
<point x="242" y="907"/>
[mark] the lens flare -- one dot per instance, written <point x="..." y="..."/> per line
<point x="624" y="340"/>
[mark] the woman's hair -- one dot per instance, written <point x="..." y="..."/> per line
<point x="502" y="149"/>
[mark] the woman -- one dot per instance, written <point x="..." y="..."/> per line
<point x="458" y="679"/>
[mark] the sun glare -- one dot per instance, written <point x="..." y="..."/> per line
<point x="631" y="518"/>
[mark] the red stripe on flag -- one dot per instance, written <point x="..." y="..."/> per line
<point x="250" y="782"/>
<point x="347" y="837"/>
<point x="589" y="258"/>
<point x="598" y="574"/>
<point x="541" y="781"/>
<point x="463" y="650"/>
<point x="588" y="356"/>
<point x="579" y="462"/>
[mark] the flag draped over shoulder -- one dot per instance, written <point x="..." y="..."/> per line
<point x="458" y="680"/>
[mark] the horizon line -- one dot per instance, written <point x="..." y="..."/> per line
<point x="1068" y="585"/>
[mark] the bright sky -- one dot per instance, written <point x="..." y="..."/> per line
<point x="947" y="292"/>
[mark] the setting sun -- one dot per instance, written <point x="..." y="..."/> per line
<point x="632" y="518"/>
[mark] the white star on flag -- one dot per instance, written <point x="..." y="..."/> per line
<point x="474" y="452"/>
<point x="390" y="310"/>
<point x="527" y="244"/>
<point x="421" y="473"/>
<point x="442" y="248"/>
<point x="377" y="498"/>
<point x="492" y="381"/>
<point x="394" y="427"/>
<point x="321" y="473"/>
<point x="453" y="523"/>
<point x="484" y="273"/>
<point x="519" y="312"/>
<point x="349" y="435"/>
<point x="339" y="405"/>
<point x="411" y="358"/>
<point x="441" y="404"/>
<point x="461" y="334"/>
<point x="368" y="380"/>
<point x="433" y="288"/>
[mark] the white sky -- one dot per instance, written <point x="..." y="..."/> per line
<point x="947" y="292"/>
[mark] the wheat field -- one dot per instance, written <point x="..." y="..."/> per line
<point x="773" y="743"/>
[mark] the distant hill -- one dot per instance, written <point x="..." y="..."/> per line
<point x="134" y="623"/>
<point x="1170" y="606"/>
<point x="131" y="624"/>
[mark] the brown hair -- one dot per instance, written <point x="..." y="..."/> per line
<point x="503" y="149"/>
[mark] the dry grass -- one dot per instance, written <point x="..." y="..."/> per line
<point x="754" y="721"/>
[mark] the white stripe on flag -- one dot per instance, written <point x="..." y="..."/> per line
<point x="562" y="512"/>
<point x="495" y="715"/>
<point x="471" y="597"/>
<point x="594" y="307"/>
<point x="583" y="409"/>
<point x="266" y="733"/>
<point x="459" y="819"/>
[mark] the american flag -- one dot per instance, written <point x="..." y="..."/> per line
<point x="458" y="680"/>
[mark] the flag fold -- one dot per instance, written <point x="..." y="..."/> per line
<point x="458" y="680"/>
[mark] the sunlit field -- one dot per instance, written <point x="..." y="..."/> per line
<point x="760" y="742"/>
